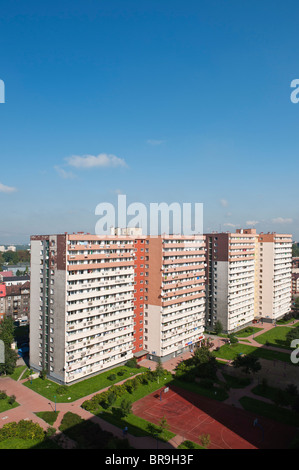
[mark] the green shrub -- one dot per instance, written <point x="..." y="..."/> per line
<point x="111" y="377"/>
<point x="12" y="399"/>
<point x="207" y="383"/>
<point x="62" y="389"/>
<point x="50" y="431"/>
<point x="132" y="363"/>
<point x="2" y="395"/>
<point x="22" y="430"/>
<point x="189" y="445"/>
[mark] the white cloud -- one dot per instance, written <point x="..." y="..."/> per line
<point x="92" y="161"/>
<point x="6" y="189"/>
<point x="252" y="222"/>
<point x="224" y="202"/>
<point x="281" y="220"/>
<point x="228" y="224"/>
<point x="63" y="173"/>
<point x="155" y="142"/>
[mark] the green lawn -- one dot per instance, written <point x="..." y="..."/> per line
<point x="49" y="416"/>
<point x="236" y="382"/>
<point x="190" y="445"/>
<point x="232" y="351"/>
<point x="49" y="389"/>
<point x="5" y="406"/>
<point x="18" y="371"/>
<point x="272" y="392"/>
<point x="275" y="337"/>
<point x="16" y="443"/>
<point x="247" y="332"/>
<point x="270" y="411"/>
<point x="136" y="426"/>
<point x="216" y="393"/>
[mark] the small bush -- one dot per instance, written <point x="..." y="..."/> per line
<point x="207" y="383"/>
<point x="189" y="445"/>
<point x="12" y="399"/>
<point x="43" y="374"/>
<point x="112" y="377"/>
<point x="2" y="395"/>
<point x="62" y="389"/>
<point x="132" y="363"/>
<point x="292" y="390"/>
<point x="50" y="431"/>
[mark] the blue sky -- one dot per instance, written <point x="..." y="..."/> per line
<point x="164" y="101"/>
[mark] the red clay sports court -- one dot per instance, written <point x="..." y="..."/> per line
<point x="191" y="415"/>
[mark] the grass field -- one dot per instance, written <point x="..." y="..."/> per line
<point x="136" y="426"/>
<point x="5" y="406"/>
<point x="232" y="351"/>
<point x="49" y="416"/>
<point x="247" y="332"/>
<point x="49" y="389"/>
<point x="275" y="337"/>
<point x="268" y="410"/>
<point x="16" y="443"/>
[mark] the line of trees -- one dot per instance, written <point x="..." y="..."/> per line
<point x="14" y="257"/>
<point x="11" y="356"/>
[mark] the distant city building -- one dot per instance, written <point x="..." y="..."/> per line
<point x="14" y="280"/>
<point x="15" y="301"/>
<point x="4" y="274"/>
<point x="14" y="268"/>
<point x="3" y="249"/>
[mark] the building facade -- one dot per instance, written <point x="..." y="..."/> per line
<point x="174" y="314"/>
<point x="230" y="279"/>
<point x="15" y="301"/>
<point x="275" y="275"/>
<point x="248" y="275"/>
<point x="82" y="310"/>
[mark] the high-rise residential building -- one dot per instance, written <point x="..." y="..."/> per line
<point x="275" y="275"/>
<point x="82" y="310"/>
<point x="174" y="314"/>
<point x="248" y="276"/>
<point x="230" y="278"/>
<point x="98" y="301"/>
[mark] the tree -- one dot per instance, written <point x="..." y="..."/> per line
<point x="218" y="327"/>
<point x="7" y="336"/>
<point x="9" y="365"/>
<point x="205" y="440"/>
<point x="248" y="363"/>
<point x="125" y="407"/>
<point x="280" y="398"/>
<point x="292" y="390"/>
<point x="233" y="339"/>
<point x="159" y="369"/>
<point x="292" y="334"/>
<point x="205" y="362"/>
<point x="7" y="331"/>
<point x="163" y="424"/>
